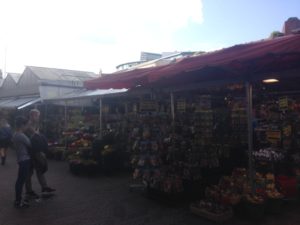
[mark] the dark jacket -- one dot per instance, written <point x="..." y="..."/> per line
<point x="38" y="143"/>
<point x="5" y="136"/>
<point x="38" y="149"/>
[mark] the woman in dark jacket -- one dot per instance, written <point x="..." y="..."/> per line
<point x="5" y="139"/>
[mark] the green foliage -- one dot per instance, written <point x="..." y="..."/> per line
<point x="276" y="34"/>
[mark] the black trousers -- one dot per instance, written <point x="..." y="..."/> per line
<point x="23" y="173"/>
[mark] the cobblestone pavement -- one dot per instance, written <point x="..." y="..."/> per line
<point x="102" y="200"/>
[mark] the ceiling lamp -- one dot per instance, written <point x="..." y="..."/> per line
<point x="271" y="80"/>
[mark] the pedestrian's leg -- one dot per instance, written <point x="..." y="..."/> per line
<point x="41" y="178"/>
<point x="3" y="156"/>
<point x="28" y="184"/>
<point x="18" y="186"/>
<point x="22" y="175"/>
<point x="43" y="182"/>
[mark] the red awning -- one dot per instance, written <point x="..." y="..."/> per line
<point x="257" y="57"/>
<point x="128" y="79"/>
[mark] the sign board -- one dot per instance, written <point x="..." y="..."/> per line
<point x="148" y="106"/>
<point x="181" y="105"/>
<point x="273" y="136"/>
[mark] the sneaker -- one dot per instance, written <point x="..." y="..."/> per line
<point x="21" y="204"/>
<point x="48" y="189"/>
<point x="32" y="195"/>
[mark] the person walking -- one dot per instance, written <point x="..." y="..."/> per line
<point x="21" y="144"/>
<point x="39" y="146"/>
<point x="5" y="139"/>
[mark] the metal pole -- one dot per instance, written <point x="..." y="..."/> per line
<point x="126" y="108"/>
<point x="45" y="121"/>
<point x="250" y="133"/>
<point x="66" y="125"/>
<point x="172" y="106"/>
<point x="66" y="115"/>
<point x="100" y="117"/>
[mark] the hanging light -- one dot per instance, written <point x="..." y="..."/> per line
<point x="270" y="80"/>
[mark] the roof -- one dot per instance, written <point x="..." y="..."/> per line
<point x="19" y="102"/>
<point x="45" y="73"/>
<point x="129" y="64"/>
<point x="15" y="76"/>
<point x="267" y="55"/>
<point x="167" y="59"/>
<point x="83" y="93"/>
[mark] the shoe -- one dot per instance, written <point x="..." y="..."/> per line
<point x="48" y="189"/>
<point x="32" y="195"/>
<point x="21" y="204"/>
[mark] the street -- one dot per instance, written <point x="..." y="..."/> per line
<point x="101" y="200"/>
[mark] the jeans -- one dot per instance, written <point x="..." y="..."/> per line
<point x="24" y="168"/>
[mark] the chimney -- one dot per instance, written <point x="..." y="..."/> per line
<point x="292" y="24"/>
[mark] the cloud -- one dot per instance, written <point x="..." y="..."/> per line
<point x="90" y="34"/>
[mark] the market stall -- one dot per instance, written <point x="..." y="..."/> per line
<point x="163" y="154"/>
<point x="83" y="130"/>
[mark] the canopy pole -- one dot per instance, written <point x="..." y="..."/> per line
<point x="100" y="117"/>
<point x="126" y="108"/>
<point x="45" y="127"/>
<point x="65" y="115"/>
<point x="249" y="97"/>
<point x="66" y="124"/>
<point x="172" y="106"/>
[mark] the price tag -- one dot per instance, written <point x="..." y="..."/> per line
<point x="148" y="106"/>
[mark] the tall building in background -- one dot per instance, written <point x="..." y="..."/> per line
<point x="148" y="56"/>
<point x="291" y="25"/>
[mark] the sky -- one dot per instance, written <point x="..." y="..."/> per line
<point x="94" y="35"/>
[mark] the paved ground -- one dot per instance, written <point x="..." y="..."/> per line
<point x="102" y="201"/>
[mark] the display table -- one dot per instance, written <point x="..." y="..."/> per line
<point x="56" y="152"/>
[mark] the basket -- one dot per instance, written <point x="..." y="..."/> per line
<point x="219" y="218"/>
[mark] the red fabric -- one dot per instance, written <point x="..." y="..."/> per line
<point x="128" y="79"/>
<point x="288" y="186"/>
<point x="256" y="57"/>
